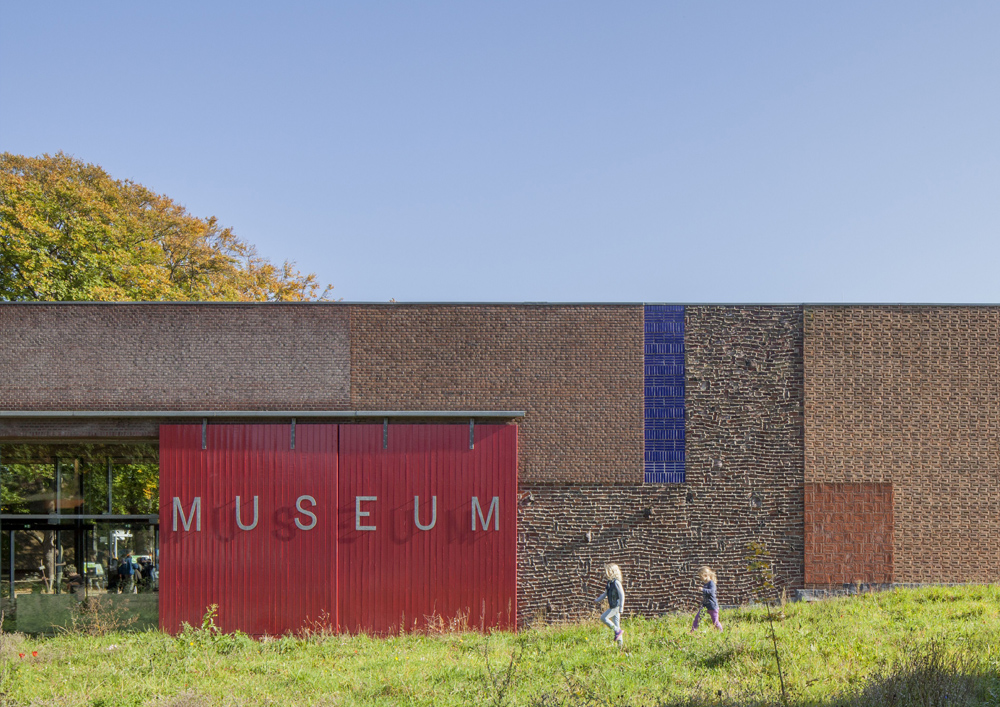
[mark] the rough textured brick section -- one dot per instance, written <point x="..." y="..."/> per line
<point x="567" y="533"/>
<point x="908" y="395"/>
<point x="577" y="372"/>
<point x="848" y="531"/>
<point x="744" y="397"/>
<point x="745" y="453"/>
<point x="174" y="356"/>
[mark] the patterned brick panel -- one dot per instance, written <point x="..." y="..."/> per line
<point x="848" y="531"/>
<point x="909" y="395"/>
<point x="171" y="356"/>
<point x="744" y="465"/>
<point x="567" y="533"/>
<point x="577" y="372"/>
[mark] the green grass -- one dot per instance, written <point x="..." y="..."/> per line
<point x="830" y="651"/>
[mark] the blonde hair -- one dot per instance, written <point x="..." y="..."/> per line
<point x="613" y="571"/>
<point x="706" y="573"/>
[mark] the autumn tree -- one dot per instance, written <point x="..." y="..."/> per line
<point x="69" y="231"/>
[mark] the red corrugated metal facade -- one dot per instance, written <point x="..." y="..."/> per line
<point x="395" y="575"/>
<point x="268" y="578"/>
<point x="395" y="570"/>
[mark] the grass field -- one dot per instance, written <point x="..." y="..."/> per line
<point x="942" y="644"/>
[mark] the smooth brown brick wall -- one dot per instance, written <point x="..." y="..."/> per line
<point x="848" y="532"/>
<point x="909" y="395"/>
<point x="576" y="371"/>
<point x="174" y="356"/>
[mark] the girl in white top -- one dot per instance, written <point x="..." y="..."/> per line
<point x="614" y="592"/>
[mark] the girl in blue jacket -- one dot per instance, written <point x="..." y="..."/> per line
<point x="615" y="594"/>
<point x="709" y="600"/>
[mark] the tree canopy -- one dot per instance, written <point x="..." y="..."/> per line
<point x="70" y="231"/>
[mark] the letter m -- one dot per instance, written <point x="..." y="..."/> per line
<point x="195" y="514"/>
<point x="477" y="509"/>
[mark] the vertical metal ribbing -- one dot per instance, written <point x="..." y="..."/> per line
<point x="56" y="510"/>
<point x="391" y="582"/>
<point x="278" y="584"/>
<point x="1" y="531"/>
<point x="80" y="489"/>
<point x="11" y="568"/>
<point x="109" y="492"/>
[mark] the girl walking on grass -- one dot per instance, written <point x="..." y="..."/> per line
<point x="709" y="600"/>
<point x="615" y="594"/>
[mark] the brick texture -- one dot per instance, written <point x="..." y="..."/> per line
<point x="567" y="533"/>
<point x="744" y="397"/>
<point x="908" y="395"/>
<point x="745" y="453"/>
<point x="577" y="372"/>
<point x="848" y="534"/>
<point x="174" y="356"/>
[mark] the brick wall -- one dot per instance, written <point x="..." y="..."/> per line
<point x="575" y="370"/>
<point x="909" y="395"/>
<point x="174" y="356"/>
<point x="567" y="533"/>
<point x="848" y="534"/>
<point x="744" y="397"/>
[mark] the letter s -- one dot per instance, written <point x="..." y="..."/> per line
<point x="303" y="511"/>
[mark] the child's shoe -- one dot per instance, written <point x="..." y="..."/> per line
<point x="618" y="636"/>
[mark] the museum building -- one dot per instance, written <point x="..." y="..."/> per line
<point x="383" y="467"/>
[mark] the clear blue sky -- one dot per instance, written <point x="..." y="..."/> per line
<point x="559" y="151"/>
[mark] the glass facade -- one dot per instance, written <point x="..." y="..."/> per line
<point x="78" y="523"/>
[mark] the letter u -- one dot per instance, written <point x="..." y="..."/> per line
<point x="434" y="512"/>
<point x="239" y="521"/>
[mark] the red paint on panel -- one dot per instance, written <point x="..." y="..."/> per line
<point x="268" y="579"/>
<point x="399" y="577"/>
<point x="300" y="564"/>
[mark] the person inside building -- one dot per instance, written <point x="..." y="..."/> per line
<point x="74" y="580"/>
<point x="126" y="572"/>
<point x="113" y="575"/>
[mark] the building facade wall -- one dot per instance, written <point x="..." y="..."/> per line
<point x="173" y="356"/>
<point x="744" y="472"/>
<point x="848" y="533"/>
<point x="909" y="395"/>
<point x="576" y="371"/>
<point x="774" y="398"/>
<point x="745" y="446"/>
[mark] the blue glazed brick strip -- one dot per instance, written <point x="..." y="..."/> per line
<point x="664" y="393"/>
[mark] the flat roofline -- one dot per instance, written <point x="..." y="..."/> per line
<point x="502" y="414"/>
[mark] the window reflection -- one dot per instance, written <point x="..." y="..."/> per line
<point x="62" y="553"/>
